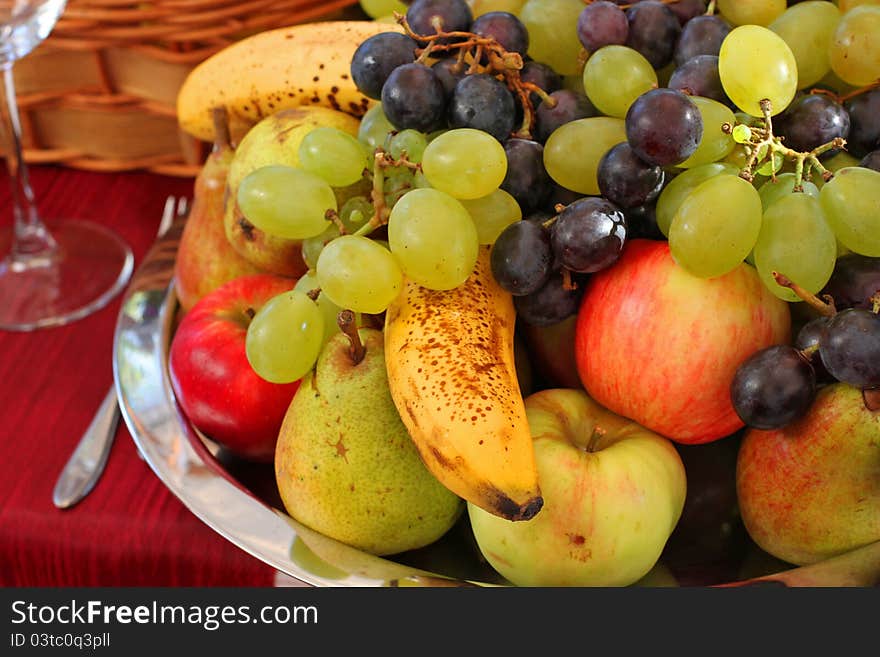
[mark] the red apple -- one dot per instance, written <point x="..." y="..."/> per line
<point x="214" y="383"/>
<point x="811" y="490"/>
<point x="660" y="346"/>
<point x="552" y="352"/>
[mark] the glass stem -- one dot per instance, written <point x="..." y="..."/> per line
<point x="31" y="239"/>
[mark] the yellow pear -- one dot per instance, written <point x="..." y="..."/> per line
<point x="274" y="140"/>
<point x="345" y="464"/>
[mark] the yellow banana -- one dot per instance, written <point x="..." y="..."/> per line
<point x="450" y="360"/>
<point x="306" y="64"/>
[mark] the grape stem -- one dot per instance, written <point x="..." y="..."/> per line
<point x="333" y="216"/>
<point x="763" y="145"/>
<point x="710" y="10"/>
<point x="356" y="350"/>
<point x="875" y="303"/>
<point x="473" y="49"/>
<point x="841" y="99"/>
<point x="825" y="308"/>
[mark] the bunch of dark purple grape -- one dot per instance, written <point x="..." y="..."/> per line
<point x="776" y="386"/>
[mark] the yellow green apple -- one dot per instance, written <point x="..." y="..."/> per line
<point x="613" y="492"/>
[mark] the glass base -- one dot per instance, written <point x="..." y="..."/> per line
<point x="91" y="265"/>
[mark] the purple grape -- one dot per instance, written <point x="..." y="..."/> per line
<point x="871" y="160"/>
<point x="641" y="223"/>
<point x="850" y="347"/>
<point x="602" y="24"/>
<point x="813" y="120"/>
<point x="560" y="195"/>
<point x="521" y="258"/>
<point x="482" y="102"/>
<point x="864" y="115"/>
<point x="413" y="97"/>
<point x="570" y="106"/>
<point x="377" y="57"/>
<point x="505" y="28"/>
<point x="455" y="16"/>
<point x="626" y="180"/>
<point x="699" y="76"/>
<point x="685" y="10"/>
<point x="653" y="31"/>
<point x="446" y="70"/>
<point x="701" y="36"/>
<point x="855" y="279"/>
<point x="663" y="126"/>
<point x="773" y="388"/>
<point x="550" y="304"/>
<point x="542" y="76"/>
<point x="588" y="235"/>
<point x="527" y="180"/>
<point x="810" y="337"/>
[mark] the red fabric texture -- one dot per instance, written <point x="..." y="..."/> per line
<point x="130" y="531"/>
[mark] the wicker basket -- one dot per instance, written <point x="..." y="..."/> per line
<point x="100" y="93"/>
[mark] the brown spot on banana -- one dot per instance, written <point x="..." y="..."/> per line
<point x="454" y="382"/>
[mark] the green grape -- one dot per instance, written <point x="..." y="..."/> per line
<point x="433" y="238"/>
<point x="846" y="5"/>
<point x="771" y="191"/>
<point x="286" y="202"/>
<point x="410" y="142"/>
<point x="751" y="12"/>
<point x="715" y="144"/>
<point x="851" y="201"/>
<point x="285" y="337"/>
<point x="334" y="155"/>
<point x="716" y="226"/>
<point x="755" y="63"/>
<point x="552" y="27"/>
<point x="420" y="181"/>
<point x="480" y="7"/>
<point x="356" y="273"/>
<point x="374" y="127"/>
<point x="382" y="8"/>
<point x="573" y="151"/>
<point x="465" y="163"/>
<point x="355" y="213"/>
<point x="398" y="181"/>
<point x="795" y="240"/>
<point x="841" y="160"/>
<point x="615" y="76"/>
<point x="312" y="246"/>
<point x="492" y="214"/>
<point x="329" y="310"/>
<point x="855" y="46"/>
<point x="741" y="134"/>
<point x="807" y="28"/>
<point x="683" y="184"/>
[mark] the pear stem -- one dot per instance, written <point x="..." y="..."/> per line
<point x="598" y="434"/>
<point x="222" y="140"/>
<point x="346" y="322"/>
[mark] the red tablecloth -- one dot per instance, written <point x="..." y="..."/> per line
<point x="131" y="531"/>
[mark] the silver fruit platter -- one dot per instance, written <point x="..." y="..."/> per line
<point x="240" y="501"/>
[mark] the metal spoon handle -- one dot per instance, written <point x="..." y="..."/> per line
<point x="88" y="459"/>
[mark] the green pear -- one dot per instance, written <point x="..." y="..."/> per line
<point x="345" y="464"/>
<point x="276" y="140"/>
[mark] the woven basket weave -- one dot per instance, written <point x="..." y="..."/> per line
<point x="100" y="93"/>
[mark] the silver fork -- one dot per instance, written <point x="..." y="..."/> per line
<point x="86" y="463"/>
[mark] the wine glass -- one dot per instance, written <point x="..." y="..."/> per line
<point x="51" y="273"/>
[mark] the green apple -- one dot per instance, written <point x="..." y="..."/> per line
<point x="811" y="490"/>
<point x="613" y="492"/>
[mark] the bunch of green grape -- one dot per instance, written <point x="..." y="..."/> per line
<point x="443" y="195"/>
